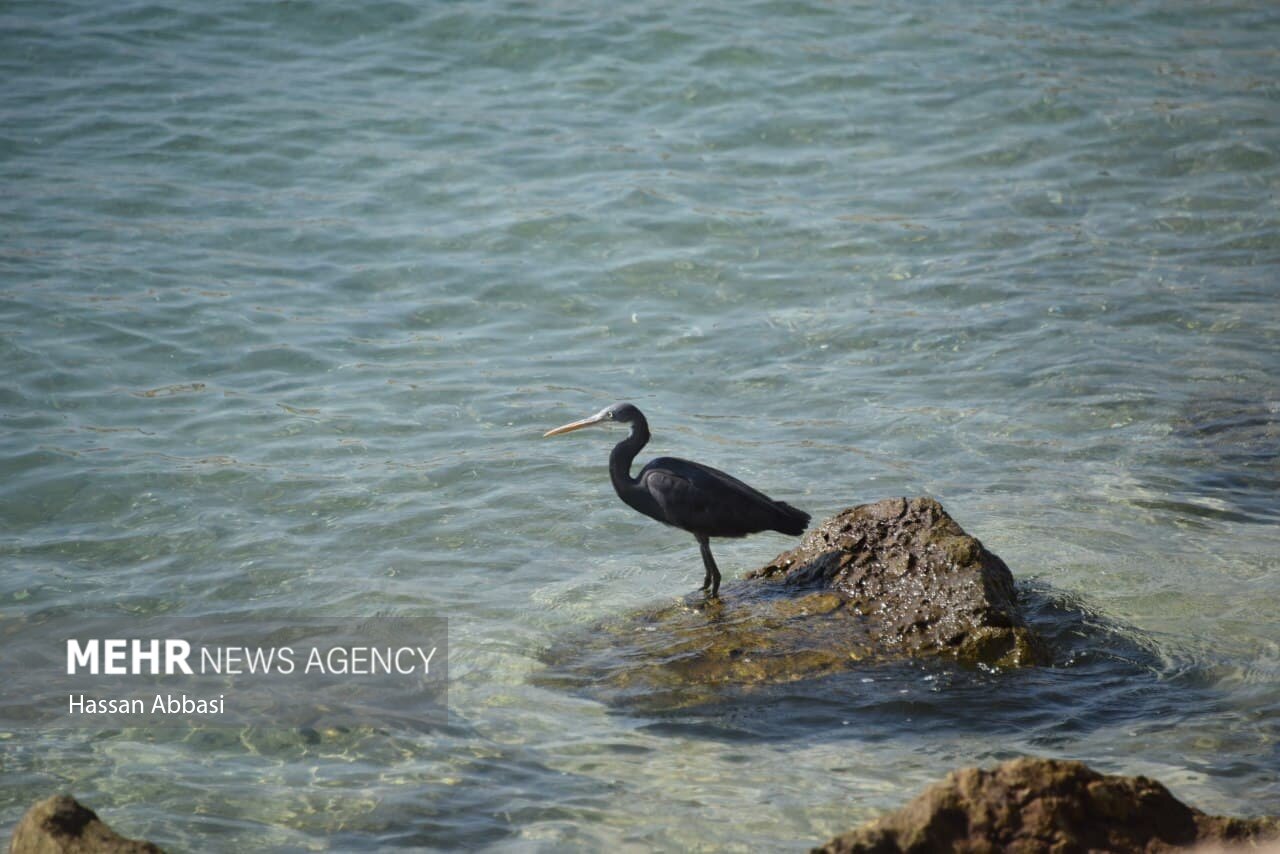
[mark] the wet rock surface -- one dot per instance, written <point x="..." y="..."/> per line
<point x="62" y="825"/>
<point x="894" y="580"/>
<point x="1047" y="805"/>
<point x="922" y="584"/>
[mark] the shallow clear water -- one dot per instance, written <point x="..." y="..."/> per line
<point x="290" y="290"/>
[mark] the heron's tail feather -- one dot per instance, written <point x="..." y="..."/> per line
<point x="790" y="520"/>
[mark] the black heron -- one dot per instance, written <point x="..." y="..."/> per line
<point x="704" y="501"/>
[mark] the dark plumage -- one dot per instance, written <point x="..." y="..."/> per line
<point x="704" y="501"/>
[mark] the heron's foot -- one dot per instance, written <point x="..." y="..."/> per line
<point x="708" y="603"/>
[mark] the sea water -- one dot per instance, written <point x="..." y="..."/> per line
<point x="290" y="290"/>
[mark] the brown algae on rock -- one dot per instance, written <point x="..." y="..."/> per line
<point x="1032" y="804"/>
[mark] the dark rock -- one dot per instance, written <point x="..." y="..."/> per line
<point x="923" y="583"/>
<point x="888" y="581"/>
<point x="62" y="825"/>
<point x="1046" y="805"/>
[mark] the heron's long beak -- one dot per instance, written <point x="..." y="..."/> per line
<point x="576" y="425"/>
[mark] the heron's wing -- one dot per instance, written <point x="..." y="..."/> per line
<point x="681" y="502"/>
<point x="706" y="501"/>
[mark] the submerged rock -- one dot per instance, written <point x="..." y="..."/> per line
<point x="893" y="580"/>
<point x="62" y="825"/>
<point x="1046" y="805"/>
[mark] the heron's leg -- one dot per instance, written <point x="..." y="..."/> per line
<point x="704" y="545"/>
<point x="712" y="578"/>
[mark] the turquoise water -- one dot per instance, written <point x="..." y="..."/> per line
<point x="289" y="291"/>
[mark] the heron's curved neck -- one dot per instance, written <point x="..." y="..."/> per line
<point x="625" y="452"/>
